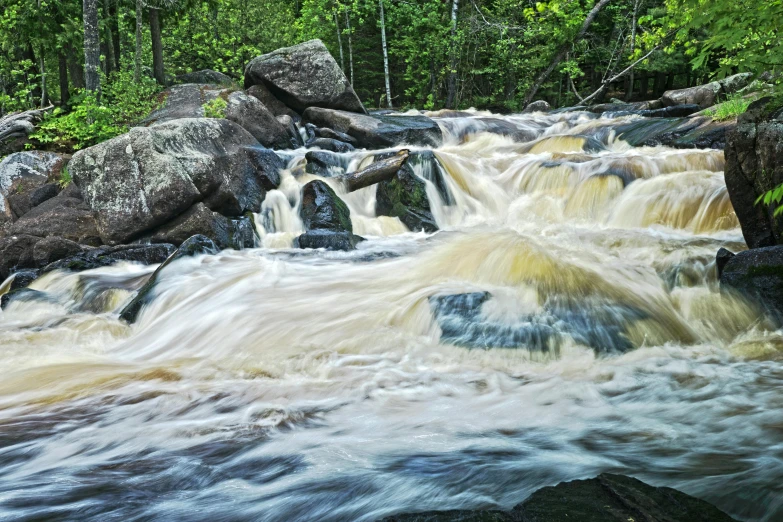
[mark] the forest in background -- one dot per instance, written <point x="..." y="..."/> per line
<point x="425" y="54"/>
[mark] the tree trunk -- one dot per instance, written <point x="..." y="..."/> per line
<point x="350" y="45"/>
<point x="452" y="79"/>
<point x="339" y="41"/>
<point x="643" y="83"/>
<point x="30" y="71"/>
<point x="539" y="81"/>
<point x="65" y="94"/>
<point x="44" y="90"/>
<point x="114" y="29"/>
<point x="92" y="46"/>
<point x="376" y="172"/>
<point x="636" y="5"/>
<point x="75" y="69"/>
<point x="157" y="47"/>
<point x="385" y="56"/>
<point x="137" y="55"/>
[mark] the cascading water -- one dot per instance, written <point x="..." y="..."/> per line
<point x="565" y="321"/>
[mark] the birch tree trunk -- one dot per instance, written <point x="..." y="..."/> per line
<point x="350" y="45"/>
<point x="452" y="80"/>
<point x="385" y="56"/>
<point x="92" y="46"/>
<point x="636" y="5"/>
<point x="339" y="41"/>
<point x="137" y="56"/>
<point x="157" y="47"/>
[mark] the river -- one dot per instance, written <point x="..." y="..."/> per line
<point x="279" y="384"/>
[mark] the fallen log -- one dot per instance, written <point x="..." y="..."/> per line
<point x="21" y="124"/>
<point x="376" y="172"/>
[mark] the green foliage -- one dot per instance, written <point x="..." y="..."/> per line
<point x="773" y="197"/>
<point x="215" y="108"/>
<point x="91" y="120"/>
<point x="65" y="178"/>
<point x="735" y="105"/>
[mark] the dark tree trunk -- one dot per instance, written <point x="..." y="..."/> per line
<point x="62" y="63"/>
<point x="157" y="47"/>
<point x="114" y="27"/>
<point x="669" y="81"/>
<point x="30" y="72"/>
<point x="75" y="69"/>
<point x="92" y="46"/>
<point x="643" y="84"/>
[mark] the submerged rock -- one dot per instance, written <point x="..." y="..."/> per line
<point x="147" y="177"/>
<point x="195" y="245"/>
<point x="405" y="196"/>
<point x="302" y="76"/>
<point x="757" y="274"/>
<point x="110" y="255"/>
<point x="376" y="131"/>
<point x="323" y="163"/>
<point x="685" y="133"/>
<point x="331" y="145"/>
<point x="606" y="498"/>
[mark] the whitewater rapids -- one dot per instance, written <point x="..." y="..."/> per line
<point x="278" y="384"/>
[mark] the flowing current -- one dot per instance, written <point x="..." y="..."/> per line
<point x="280" y="384"/>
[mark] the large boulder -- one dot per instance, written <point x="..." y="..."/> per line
<point x="303" y="76"/>
<point x="184" y="101"/>
<point x="27" y="193"/>
<point x="65" y="215"/>
<point x="684" y="133"/>
<point x="147" y="177"/>
<point x="405" y="196"/>
<point x="34" y="165"/>
<point x="378" y="131"/>
<point x="199" y="220"/>
<point x="606" y="498"/>
<point x="16" y="252"/>
<point x="326" y="219"/>
<point x="708" y="94"/>
<point x="757" y="274"/>
<point x="254" y="117"/>
<point x="91" y="258"/>
<point x="754" y="165"/>
<point x="275" y="106"/>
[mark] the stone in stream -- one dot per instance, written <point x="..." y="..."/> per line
<point x="324" y="132"/>
<point x="686" y="133"/>
<point x="605" y="498"/>
<point x="103" y="256"/>
<point x="326" y="219"/>
<point x="323" y="163"/>
<point x="254" y="117"/>
<point x="193" y="246"/>
<point x="404" y="196"/>
<point x="754" y="165"/>
<point x="42" y="167"/>
<point x="291" y="129"/>
<point x="757" y="274"/>
<point x="140" y="180"/>
<point x="302" y="76"/>
<point x="199" y="220"/>
<point x="377" y="131"/>
<point x="537" y="106"/>
<point x="331" y="145"/>
<point x="25" y="294"/>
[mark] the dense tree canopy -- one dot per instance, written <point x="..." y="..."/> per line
<point x="496" y="54"/>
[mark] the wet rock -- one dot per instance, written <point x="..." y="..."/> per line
<point x="331" y="145"/>
<point x="375" y="132"/>
<point x="754" y="166"/>
<point x="266" y="166"/>
<point x="302" y="76"/>
<point x="405" y="197"/>
<point x="65" y="216"/>
<point x="37" y="165"/>
<point x="291" y="129"/>
<point x="205" y="76"/>
<point x="606" y="498"/>
<point x="324" y="164"/>
<point x="694" y="132"/>
<point x="323" y="132"/>
<point x="145" y="178"/>
<point x="199" y="220"/>
<point x="193" y="246"/>
<point x="537" y="106"/>
<point x="254" y="117"/>
<point x="706" y="95"/>
<point x="23" y="279"/>
<point x="721" y="259"/>
<point x="52" y="249"/>
<point x="757" y="274"/>
<point x="326" y="219"/>
<point x="377" y="171"/>
<point x="275" y="106"/>
<point x="463" y="128"/>
<point x="675" y="111"/>
<point x="25" y="295"/>
<point x="16" y="252"/>
<point x="109" y="255"/>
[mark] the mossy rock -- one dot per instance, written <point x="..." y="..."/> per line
<point x="405" y="196"/>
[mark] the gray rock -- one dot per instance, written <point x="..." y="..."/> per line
<point x="685" y="133"/>
<point x="325" y="164"/>
<point x="143" y="179"/>
<point x="51" y="249"/>
<point x="184" y="101"/>
<point x="16" y="252"/>
<point x="34" y="164"/>
<point x="329" y="240"/>
<point x="754" y="165"/>
<point x="706" y="95"/>
<point x="303" y="76"/>
<point x="293" y="131"/>
<point x="25" y="294"/>
<point x="757" y="274"/>
<point x="721" y="259"/>
<point x="326" y="218"/>
<point x="274" y="105"/>
<point x="537" y="106"/>
<point x="200" y="220"/>
<point x="332" y="134"/>
<point x="378" y="131"/>
<point x="64" y="216"/>
<point x="266" y="167"/>
<point x="405" y="197"/>
<point x="254" y="117"/>
<point x="29" y="192"/>
<point x="109" y="255"/>
<point x="331" y="145"/>
<point x="207" y="76"/>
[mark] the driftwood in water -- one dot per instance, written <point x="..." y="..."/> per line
<point x="21" y="124"/>
<point x="376" y="172"/>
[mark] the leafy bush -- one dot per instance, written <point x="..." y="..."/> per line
<point x="91" y="120"/>
<point x="730" y="109"/>
<point x="215" y="108"/>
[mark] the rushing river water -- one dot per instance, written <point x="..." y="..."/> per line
<point x="287" y="385"/>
